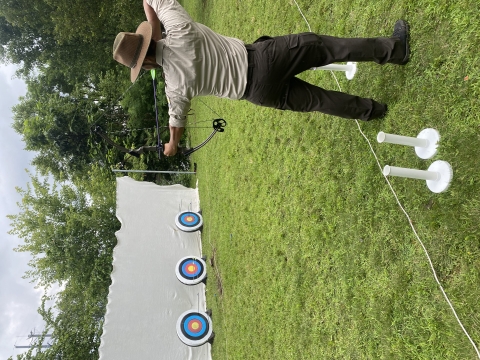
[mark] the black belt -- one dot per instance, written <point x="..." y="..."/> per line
<point x="251" y="65"/>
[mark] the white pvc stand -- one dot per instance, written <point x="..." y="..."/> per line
<point x="438" y="176"/>
<point x="350" y="69"/>
<point x="425" y="143"/>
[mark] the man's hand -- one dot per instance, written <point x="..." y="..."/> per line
<point x="170" y="149"/>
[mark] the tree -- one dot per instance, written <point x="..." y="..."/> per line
<point x="26" y="36"/>
<point x="73" y="38"/>
<point x="57" y="128"/>
<point x="69" y="229"/>
<point x="65" y="228"/>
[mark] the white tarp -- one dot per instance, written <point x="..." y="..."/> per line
<point x="146" y="298"/>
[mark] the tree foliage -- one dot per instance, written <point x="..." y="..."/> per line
<point x="66" y="228"/>
<point x="70" y="231"/>
<point x="73" y="38"/>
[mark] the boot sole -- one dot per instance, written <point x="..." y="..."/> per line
<point x="407" y="44"/>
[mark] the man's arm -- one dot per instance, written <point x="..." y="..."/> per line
<point x="152" y="18"/>
<point x="170" y="148"/>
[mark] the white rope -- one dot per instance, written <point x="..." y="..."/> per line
<point x="420" y="241"/>
<point x="304" y="18"/>
<point x="405" y="212"/>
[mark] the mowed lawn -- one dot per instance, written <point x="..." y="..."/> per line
<point x="312" y="257"/>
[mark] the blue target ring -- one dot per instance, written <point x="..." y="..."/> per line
<point x="194" y="326"/>
<point x="189" y="221"/>
<point x="191" y="270"/>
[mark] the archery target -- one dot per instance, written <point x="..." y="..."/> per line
<point x="189" y="221"/>
<point x="194" y="328"/>
<point x="191" y="270"/>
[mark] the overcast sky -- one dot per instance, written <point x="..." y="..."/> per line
<point x="19" y="300"/>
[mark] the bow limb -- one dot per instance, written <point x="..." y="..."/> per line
<point x="97" y="130"/>
<point x="218" y="126"/>
<point x="159" y="141"/>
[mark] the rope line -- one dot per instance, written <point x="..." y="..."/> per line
<point x="405" y="212"/>
<point x="220" y="116"/>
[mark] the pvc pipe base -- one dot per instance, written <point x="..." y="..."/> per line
<point x="350" y="68"/>
<point x="444" y="169"/>
<point x="433" y="137"/>
<point x="351" y="73"/>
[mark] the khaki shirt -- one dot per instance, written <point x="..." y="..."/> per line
<point x="196" y="61"/>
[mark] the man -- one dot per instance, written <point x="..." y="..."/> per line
<point x="197" y="61"/>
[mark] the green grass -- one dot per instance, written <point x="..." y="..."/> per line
<point x="316" y="259"/>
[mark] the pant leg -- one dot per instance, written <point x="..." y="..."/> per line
<point x="304" y="97"/>
<point x="292" y="54"/>
<point x="380" y="50"/>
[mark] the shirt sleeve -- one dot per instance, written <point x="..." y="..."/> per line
<point x="178" y="107"/>
<point x="170" y="13"/>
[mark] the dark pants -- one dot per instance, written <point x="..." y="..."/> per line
<point x="273" y="64"/>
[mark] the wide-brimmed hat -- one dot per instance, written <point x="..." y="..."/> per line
<point x="129" y="49"/>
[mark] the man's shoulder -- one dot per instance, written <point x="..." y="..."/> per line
<point x="170" y="12"/>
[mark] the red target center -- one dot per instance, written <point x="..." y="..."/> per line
<point x="189" y="219"/>
<point x="195" y="326"/>
<point x="191" y="268"/>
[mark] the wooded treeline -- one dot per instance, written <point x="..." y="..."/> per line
<point x="63" y="50"/>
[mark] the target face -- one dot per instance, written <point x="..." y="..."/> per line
<point x="189" y="221"/>
<point x="191" y="270"/>
<point x="194" y="328"/>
